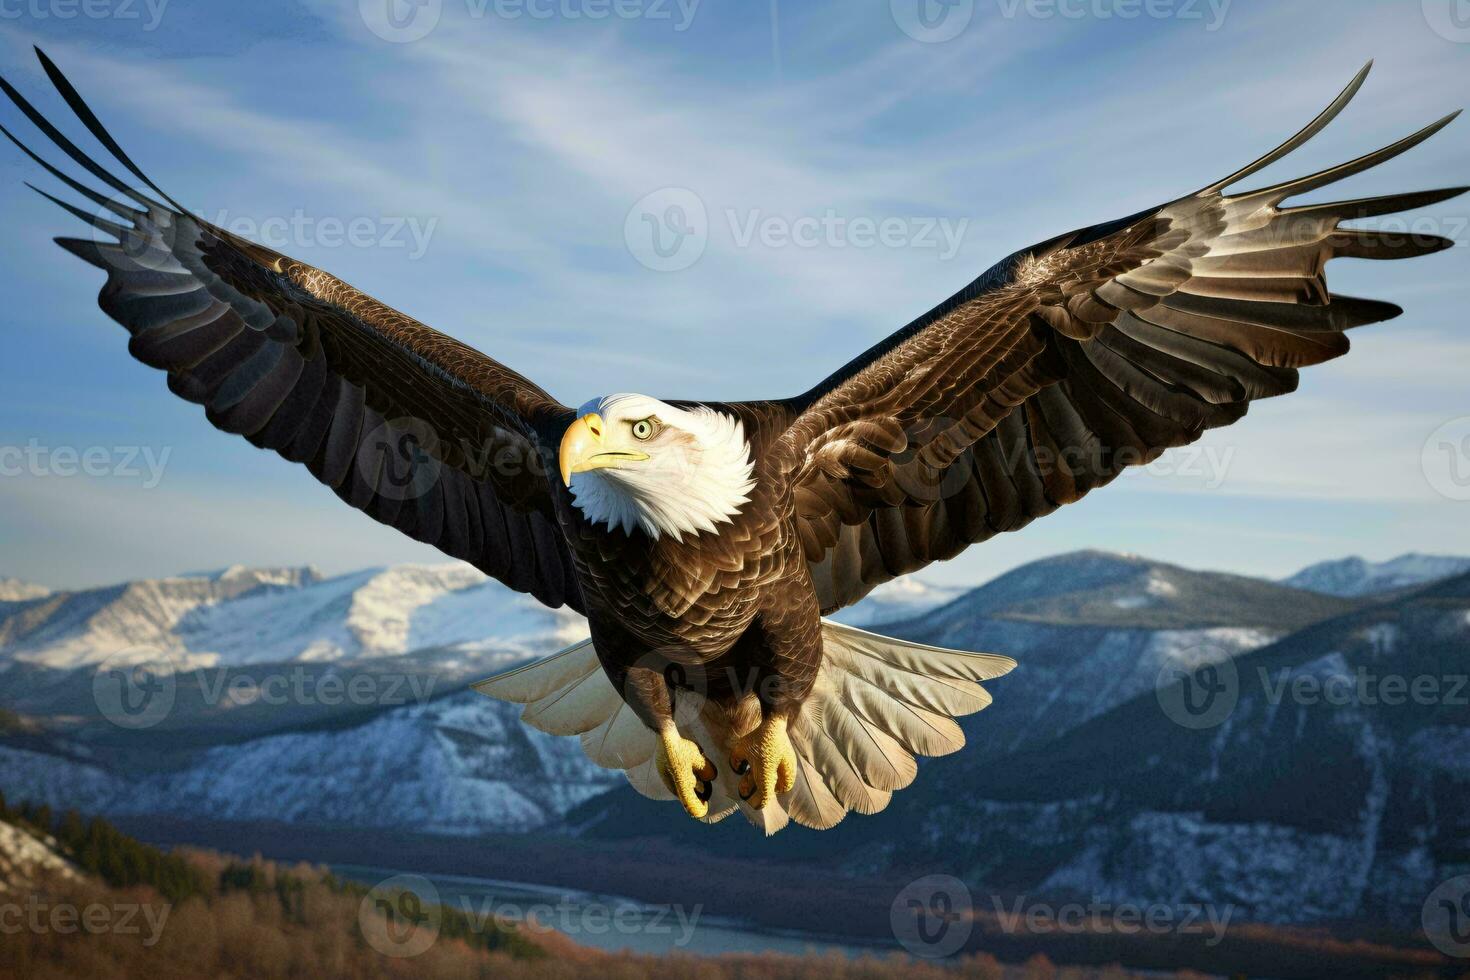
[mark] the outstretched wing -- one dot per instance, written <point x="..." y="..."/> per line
<point x="407" y="425"/>
<point x="1072" y="360"/>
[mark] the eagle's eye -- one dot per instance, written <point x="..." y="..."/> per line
<point x="644" y="429"/>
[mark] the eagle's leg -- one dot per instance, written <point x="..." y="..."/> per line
<point x="765" y="761"/>
<point x="782" y="650"/>
<point x="684" y="769"/>
<point x="682" y="765"/>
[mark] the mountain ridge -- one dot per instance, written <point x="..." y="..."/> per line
<point x="1355" y="576"/>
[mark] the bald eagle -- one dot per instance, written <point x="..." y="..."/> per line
<point x="705" y="542"/>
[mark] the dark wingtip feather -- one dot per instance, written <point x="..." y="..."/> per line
<point x="1372" y="207"/>
<point x="111" y="204"/>
<point x="95" y="220"/>
<point x="84" y="112"/>
<point x="1350" y="312"/>
<point x="69" y="148"/>
<point x="88" y="251"/>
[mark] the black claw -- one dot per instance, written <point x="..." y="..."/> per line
<point x="743" y="768"/>
<point x="746" y="796"/>
<point x="703" y="791"/>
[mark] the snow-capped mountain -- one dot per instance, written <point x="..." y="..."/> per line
<point x="1332" y="783"/>
<point x="260" y="724"/>
<point x="1075" y="781"/>
<point x="459" y="764"/>
<point x="14" y="590"/>
<point x="26" y="859"/>
<point x="251" y="616"/>
<point x="1358" y="577"/>
<point x="1092" y="629"/>
<point x="901" y="599"/>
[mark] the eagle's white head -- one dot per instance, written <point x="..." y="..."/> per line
<point x="635" y="462"/>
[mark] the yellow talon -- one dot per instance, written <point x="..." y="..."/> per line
<point x="685" y="770"/>
<point x="765" y="761"/>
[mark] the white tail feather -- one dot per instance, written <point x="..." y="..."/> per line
<point x="877" y="703"/>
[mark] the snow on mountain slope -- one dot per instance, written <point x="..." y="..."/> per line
<point x="1092" y="630"/>
<point x="1326" y="791"/>
<point x="461" y="764"/>
<point x="25" y="859"/>
<point x="901" y="599"/>
<point x="1098" y="588"/>
<point x="14" y="590"/>
<point x="69" y="629"/>
<point x="252" y="616"/>
<point x="1356" y="576"/>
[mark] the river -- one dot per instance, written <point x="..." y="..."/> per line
<point x="608" y="922"/>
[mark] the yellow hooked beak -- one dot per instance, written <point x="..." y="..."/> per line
<point x="582" y="449"/>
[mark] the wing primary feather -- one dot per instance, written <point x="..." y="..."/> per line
<point x="71" y="149"/>
<point x="111" y="204"/>
<point x="1342" y="171"/>
<point x="94" y="125"/>
<point x="1310" y="130"/>
<point x="96" y="221"/>
<point x="85" y="249"/>
<point x="1372" y="207"/>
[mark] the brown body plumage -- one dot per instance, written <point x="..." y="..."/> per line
<point x="1040" y="381"/>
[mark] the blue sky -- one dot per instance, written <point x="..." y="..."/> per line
<point x="490" y="178"/>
